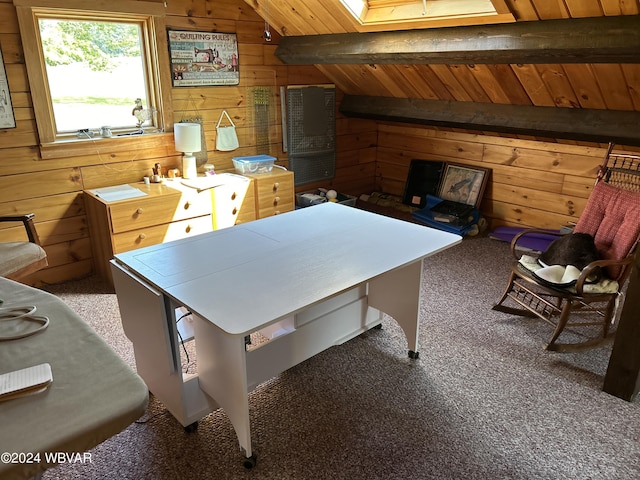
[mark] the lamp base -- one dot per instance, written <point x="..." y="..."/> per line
<point x="189" y="169"/>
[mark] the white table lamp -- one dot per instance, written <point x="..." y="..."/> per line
<point x="188" y="141"/>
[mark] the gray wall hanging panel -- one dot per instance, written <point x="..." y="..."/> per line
<point x="311" y="132"/>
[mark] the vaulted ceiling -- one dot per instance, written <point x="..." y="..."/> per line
<point x="597" y="84"/>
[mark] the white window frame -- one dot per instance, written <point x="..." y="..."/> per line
<point x="155" y="56"/>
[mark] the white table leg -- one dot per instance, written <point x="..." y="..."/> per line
<point x="398" y="293"/>
<point x="222" y="373"/>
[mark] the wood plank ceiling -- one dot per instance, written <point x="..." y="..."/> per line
<point x="604" y="86"/>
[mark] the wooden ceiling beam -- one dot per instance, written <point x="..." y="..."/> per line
<point x="601" y="126"/>
<point x="574" y="40"/>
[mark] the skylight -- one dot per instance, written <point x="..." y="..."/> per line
<point x="417" y="13"/>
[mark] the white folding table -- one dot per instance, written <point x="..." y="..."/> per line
<point x="307" y="280"/>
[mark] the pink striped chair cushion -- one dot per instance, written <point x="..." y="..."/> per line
<point x="612" y="217"/>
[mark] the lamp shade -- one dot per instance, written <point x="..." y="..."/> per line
<point x="187" y="137"/>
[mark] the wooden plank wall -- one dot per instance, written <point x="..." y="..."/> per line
<point x="532" y="183"/>
<point x="52" y="188"/>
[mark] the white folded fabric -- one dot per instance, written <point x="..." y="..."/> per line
<point x="565" y="277"/>
<point x="559" y="274"/>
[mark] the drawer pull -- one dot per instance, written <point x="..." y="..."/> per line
<point x="276" y="200"/>
<point x="233" y="196"/>
<point x="142" y="236"/>
<point x="276" y="186"/>
<point x="139" y="211"/>
<point x="187" y="205"/>
<point x="188" y="229"/>
<point x="234" y="211"/>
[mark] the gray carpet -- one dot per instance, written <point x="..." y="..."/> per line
<point x="483" y="401"/>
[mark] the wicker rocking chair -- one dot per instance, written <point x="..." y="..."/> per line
<point x="612" y="218"/>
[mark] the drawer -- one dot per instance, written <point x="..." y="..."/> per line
<point x="275" y="193"/>
<point x="153" y="235"/>
<point x="231" y="203"/>
<point x="277" y="207"/>
<point x="194" y="204"/>
<point x="148" y="211"/>
<point x="269" y="188"/>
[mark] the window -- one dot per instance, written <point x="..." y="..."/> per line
<point x="89" y="69"/>
<point x="95" y="71"/>
<point x="425" y="13"/>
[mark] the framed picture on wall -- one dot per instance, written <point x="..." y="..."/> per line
<point x="463" y="183"/>
<point x="203" y="58"/>
<point x="7" y="119"/>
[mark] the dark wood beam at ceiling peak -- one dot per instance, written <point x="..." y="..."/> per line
<point x="581" y="124"/>
<point x="574" y="40"/>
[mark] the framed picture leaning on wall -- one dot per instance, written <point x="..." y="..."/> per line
<point x="203" y="58"/>
<point x="7" y="119"/>
<point x="463" y="183"/>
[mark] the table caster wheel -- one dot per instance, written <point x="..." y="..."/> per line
<point x="249" y="462"/>
<point x="413" y="354"/>
<point x="191" y="428"/>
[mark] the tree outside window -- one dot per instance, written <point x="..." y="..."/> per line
<point x="95" y="72"/>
